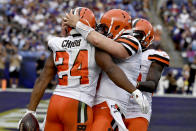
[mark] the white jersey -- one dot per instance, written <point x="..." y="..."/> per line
<point x="148" y="57"/>
<point x="131" y="67"/>
<point x="76" y="68"/>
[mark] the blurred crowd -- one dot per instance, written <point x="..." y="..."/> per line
<point x="27" y="24"/>
<point x="180" y="19"/>
<point x="179" y="81"/>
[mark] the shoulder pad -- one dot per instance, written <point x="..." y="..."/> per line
<point x="160" y="56"/>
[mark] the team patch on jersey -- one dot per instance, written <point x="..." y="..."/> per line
<point x="160" y="59"/>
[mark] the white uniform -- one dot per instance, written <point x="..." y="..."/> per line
<point x="76" y="68"/>
<point x="131" y="66"/>
<point x="148" y="57"/>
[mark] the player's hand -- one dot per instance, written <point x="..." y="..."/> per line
<point x="142" y="101"/>
<point x="28" y="121"/>
<point x="71" y="19"/>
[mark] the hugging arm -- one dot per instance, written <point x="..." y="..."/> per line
<point x="41" y="83"/>
<point x="152" y="80"/>
<point x="95" y="38"/>
<point x="113" y="71"/>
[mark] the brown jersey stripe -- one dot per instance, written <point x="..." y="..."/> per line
<point x="127" y="42"/>
<point x="128" y="50"/>
<point x="158" y="59"/>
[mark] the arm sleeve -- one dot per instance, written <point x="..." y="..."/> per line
<point x="130" y="43"/>
<point x="160" y="57"/>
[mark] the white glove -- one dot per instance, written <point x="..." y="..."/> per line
<point x="141" y="100"/>
<point x="27" y="112"/>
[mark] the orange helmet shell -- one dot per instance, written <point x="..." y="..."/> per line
<point x="144" y="26"/>
<point x="116" y="21"/>
<point x="86" y="16"/>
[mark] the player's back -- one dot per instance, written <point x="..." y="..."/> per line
<point x="76" y="67"/>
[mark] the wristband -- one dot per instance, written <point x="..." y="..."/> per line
<point x="83" y="29"/>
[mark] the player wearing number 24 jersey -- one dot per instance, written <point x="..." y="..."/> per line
<point x="77" y="79"/>
<point x="74" y="60"/>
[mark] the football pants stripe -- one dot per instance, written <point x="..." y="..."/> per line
<point x="82" y="112"/>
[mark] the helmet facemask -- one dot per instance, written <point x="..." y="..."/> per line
<point x="140" y="36"/>
<point x="103" y="29"/>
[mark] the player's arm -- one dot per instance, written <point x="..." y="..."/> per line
<point x="159" y="60"/>
<point x="39" y="88"/>
<point x="112" y="47"/>
<point x="41" y="83"/>
<point x="113" y="71"/>
<point x="154" y="74"/>
<point x="120" y="79"/>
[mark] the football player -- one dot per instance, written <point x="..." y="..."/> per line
<point x="152" y="65"/>
<point x="113" y="25"/>
<point x="74" y="61"/>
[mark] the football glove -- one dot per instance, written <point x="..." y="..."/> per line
<point x="141" y="100"/>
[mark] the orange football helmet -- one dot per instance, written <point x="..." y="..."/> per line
<point x="143" y="31"/>
<point x="86" y="16"/>
<point x="114" y="22"/>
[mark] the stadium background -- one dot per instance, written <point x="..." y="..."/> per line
<point x="26" y="25"/>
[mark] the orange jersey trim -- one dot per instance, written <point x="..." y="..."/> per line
<point x="128" y="42"/>
<point x="159" y="59"/>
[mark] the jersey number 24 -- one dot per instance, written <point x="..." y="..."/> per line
<point x="79" y="67"/>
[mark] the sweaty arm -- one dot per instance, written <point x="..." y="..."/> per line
<point x="42" y="82"/>
<point x="95" y="38"/>
<point x="154" y="74"/>
<point x="113" y="71"/>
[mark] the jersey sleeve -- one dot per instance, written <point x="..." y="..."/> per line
<point x="130" y="43"/>
<point x="160" y="57"/>
<point x="51" y="43"/>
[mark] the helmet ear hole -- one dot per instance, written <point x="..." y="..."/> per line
<point x="117" y="27"/>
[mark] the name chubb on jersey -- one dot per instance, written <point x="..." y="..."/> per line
<point x="70" y="44"/>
